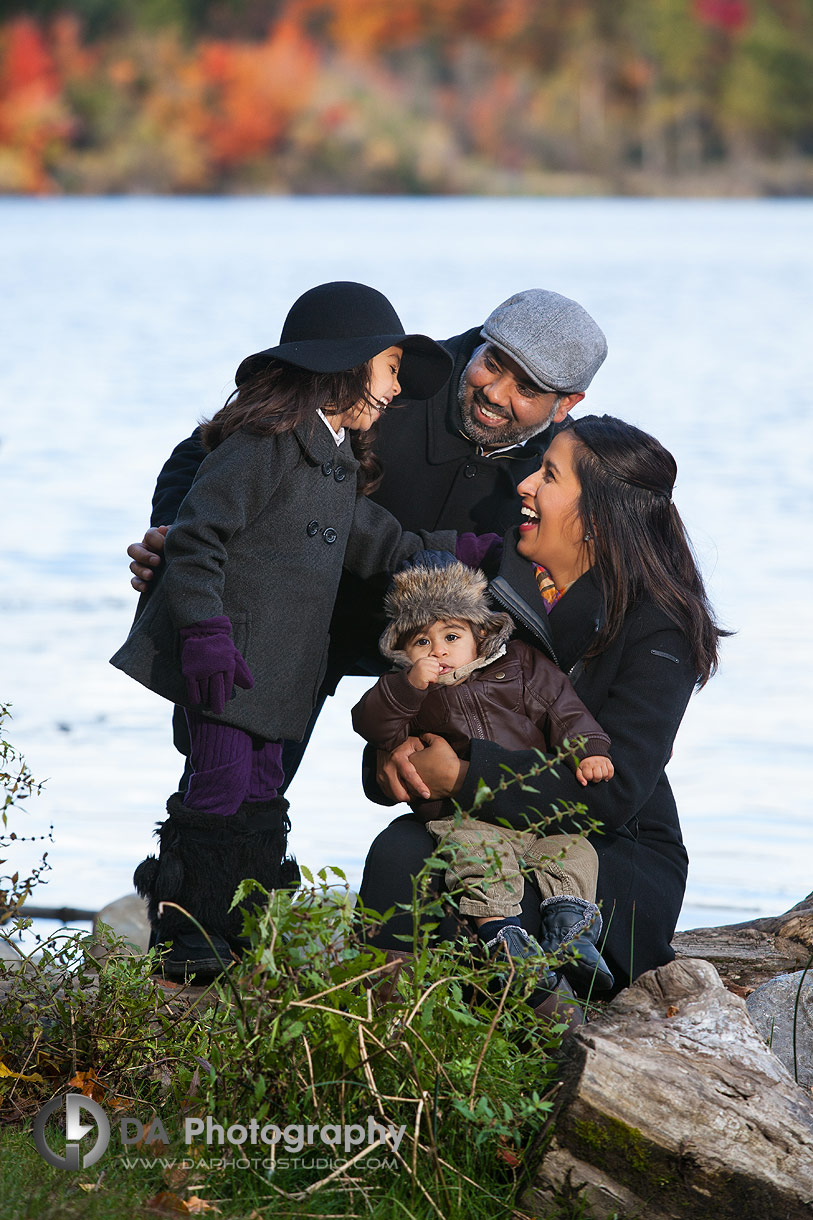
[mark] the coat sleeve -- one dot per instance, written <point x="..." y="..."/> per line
<point x="175" y="479"/>
<point x="641" y="712"/>
<point x="384" y="713"/>
<point x="552" y="703"/>
<point x="232" y="487"/>
<point x="377" y="543"/>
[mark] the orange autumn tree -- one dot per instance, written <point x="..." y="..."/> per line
<point x="253" y="90"/>
<point x="34" y="121"/>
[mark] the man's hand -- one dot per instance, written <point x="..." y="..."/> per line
<point x="439" y="768"/>
<point x="146" y="556"/>
<point x="594" y="769"/>
<point x="424" y="672"/>
<point x="396" y="775"/>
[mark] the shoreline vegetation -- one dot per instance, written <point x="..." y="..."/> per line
<point x="474" y="1106"/>
<point x="515" y="97"/>
<point x="432" y="1055"/>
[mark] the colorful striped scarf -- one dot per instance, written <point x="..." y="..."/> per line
<point x="550" y="594"/>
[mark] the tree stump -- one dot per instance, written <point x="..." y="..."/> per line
<point x="748" y="954"/>
<point x="673" y="1108"/>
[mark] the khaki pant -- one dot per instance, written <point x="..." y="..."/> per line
<point x="486" y="861"/>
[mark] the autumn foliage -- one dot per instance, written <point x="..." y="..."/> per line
<point x="34" y="120"/>
<point x="425" y="95"/>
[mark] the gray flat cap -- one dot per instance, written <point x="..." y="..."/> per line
<point x="552" y="338"/>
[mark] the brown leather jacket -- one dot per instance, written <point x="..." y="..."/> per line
<point x="519" y="700"/>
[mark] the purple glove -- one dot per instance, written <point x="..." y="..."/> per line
<point x="212" y="664"/>
<point x="474" y="549"/>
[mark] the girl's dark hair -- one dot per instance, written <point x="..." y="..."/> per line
<point x="281" y="397"/>
<point x="640" y="543"/>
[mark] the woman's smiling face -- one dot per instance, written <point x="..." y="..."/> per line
<point x="552" y="532"/>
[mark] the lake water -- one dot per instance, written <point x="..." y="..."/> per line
<point x="122" y="321"/>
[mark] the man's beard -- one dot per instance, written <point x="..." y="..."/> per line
<point x="509" y="433"/>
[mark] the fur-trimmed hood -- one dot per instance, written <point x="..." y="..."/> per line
<point x="419" y="595"/>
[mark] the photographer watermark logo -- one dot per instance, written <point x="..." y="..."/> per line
<point x="75" y="1131"/>
<point x="292" y="1138"/>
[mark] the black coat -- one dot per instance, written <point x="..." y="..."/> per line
<point x="637" y="689"/>
<point x="262" y="537"/>
<point x="434" y="479"/>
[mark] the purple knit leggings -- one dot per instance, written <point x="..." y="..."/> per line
<point x="229" y="766"/>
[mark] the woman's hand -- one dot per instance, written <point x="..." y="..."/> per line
<point x="395" y="774"/>
<point x="439" y="768"/>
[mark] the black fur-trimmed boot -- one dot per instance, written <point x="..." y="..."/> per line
<point x="203" y="857"/>
<point x="568" y="924"/>
<point x="261" y="854"/>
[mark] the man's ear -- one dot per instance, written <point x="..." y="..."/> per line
<point x="566" y="404"/>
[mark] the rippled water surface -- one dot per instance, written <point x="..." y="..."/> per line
<point x="122" y="321"/>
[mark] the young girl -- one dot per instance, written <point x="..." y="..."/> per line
<point x="236" y="630"/>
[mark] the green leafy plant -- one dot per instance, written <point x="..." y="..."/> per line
<point x="437" y="1046"/>
<point x="428" y="1044"/>
<point x="17" y="786"/>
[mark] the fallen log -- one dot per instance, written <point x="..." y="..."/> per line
<point x="59" y="914"/>
<point x="748" y="954"/>
<point x="673" y="1108"/>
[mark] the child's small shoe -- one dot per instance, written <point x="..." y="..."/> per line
<point x="571" y="928"/>
<point x="513" y="942"/>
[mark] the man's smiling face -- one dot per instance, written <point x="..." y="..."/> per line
<point x="500" y="405"/>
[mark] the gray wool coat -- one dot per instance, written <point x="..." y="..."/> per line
<point x="262" y="537"/>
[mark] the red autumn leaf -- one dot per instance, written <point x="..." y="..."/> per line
<point x="86" y="1083"/>
<point x="506" y="1153"/>
<point x="167" y="1203"/>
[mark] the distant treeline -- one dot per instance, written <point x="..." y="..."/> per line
<point x="418" y="96"/>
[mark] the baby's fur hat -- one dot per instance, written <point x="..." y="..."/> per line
<point x="420" y="595"/>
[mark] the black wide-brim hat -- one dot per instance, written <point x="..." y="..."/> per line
<point x="341" y="325"/>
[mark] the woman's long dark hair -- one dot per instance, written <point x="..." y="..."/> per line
<point x="281" y="397"/>
<point x="640" y="543"/>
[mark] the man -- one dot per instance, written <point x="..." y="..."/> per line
<point x="452" y="462"/>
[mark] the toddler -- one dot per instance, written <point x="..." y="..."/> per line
<point x="460" y="677"/>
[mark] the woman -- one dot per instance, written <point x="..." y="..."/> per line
<point x="601" y="577"/>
